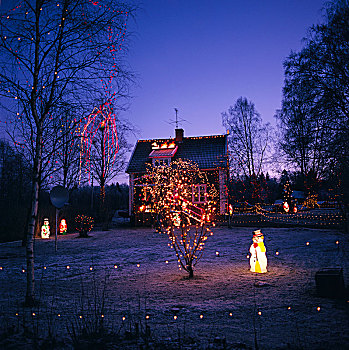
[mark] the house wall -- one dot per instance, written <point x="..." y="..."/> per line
<point x="217" y="177"/>
<point x="130" y="193"/>
<point x="223" y="191"/>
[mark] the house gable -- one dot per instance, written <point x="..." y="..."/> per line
<point x="209" y="152"/>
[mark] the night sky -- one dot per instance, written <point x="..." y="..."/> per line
<point x="200" y="56"/>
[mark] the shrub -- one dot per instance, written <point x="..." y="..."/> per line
<point x="84" y="224"/>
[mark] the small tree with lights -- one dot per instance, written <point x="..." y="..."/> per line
<point x="287" y="195"/>
<point x="84" y="225"/>
<point x="183" y="203"/>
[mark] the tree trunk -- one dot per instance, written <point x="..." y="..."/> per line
<point x="83" y="234"/>
<point x="191" y="271"/>
<point x="30" y="293"/>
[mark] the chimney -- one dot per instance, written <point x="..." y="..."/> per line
<point x="179" y="135"/>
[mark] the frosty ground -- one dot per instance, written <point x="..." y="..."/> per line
<point x="141" y="282"/>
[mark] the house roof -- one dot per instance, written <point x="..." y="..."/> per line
<point x="163" y="153"/>
<point x="209" y="152"/>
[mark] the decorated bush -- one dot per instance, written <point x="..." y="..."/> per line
<point x="84" y="224"/>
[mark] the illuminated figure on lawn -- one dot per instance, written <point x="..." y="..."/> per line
<point x="63" y="227"/>
<point x="286" y="207"/>
<point x="45" y="229"/>
<point x="258" y="259"/>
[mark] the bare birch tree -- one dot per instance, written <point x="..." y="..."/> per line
<point x="248" y="138"/>
<point x="54" y="53"/>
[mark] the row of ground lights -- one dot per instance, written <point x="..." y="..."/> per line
<point x="166" y="262"/>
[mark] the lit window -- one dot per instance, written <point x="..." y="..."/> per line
<point x="199" y="193"/>
<point x="161" y="161"/>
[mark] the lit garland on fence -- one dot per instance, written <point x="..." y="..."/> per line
<point x="301" y="217"/>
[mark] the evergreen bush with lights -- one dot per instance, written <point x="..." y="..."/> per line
<point x="84" y="224"/>
<point x="180" y="208"/>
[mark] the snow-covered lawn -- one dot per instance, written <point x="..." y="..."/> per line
<point x="138" y="273"/>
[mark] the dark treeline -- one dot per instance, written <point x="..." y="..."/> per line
<point x="314" y="119"/>
<point x="15" y="182"/>
<point x="266" y="190"/>
<point x="312" y="134"/>
<point x="15" y="186"/>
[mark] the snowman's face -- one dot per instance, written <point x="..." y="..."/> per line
<point x="46" y="222"/>
<point x="258" y="239"/>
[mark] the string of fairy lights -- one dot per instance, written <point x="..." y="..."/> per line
<point x="180" y="208"/>
<point x="125" y="316"/>
<point x="148" y="315"/>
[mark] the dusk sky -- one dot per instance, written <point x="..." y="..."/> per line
<point x="200" y="56"/>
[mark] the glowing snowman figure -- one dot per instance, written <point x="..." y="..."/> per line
<point x="258" y="259"/>
<point x="45" y="229"/>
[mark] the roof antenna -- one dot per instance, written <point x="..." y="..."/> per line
<point x="177" y="120"/>
<point x="176" y="117"/>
